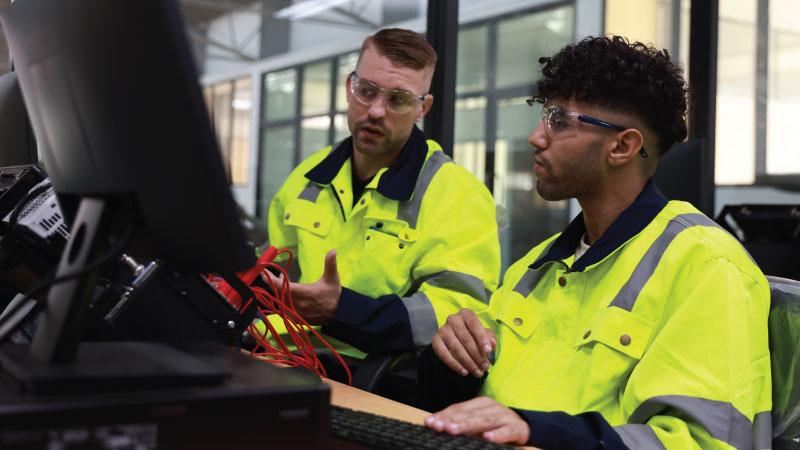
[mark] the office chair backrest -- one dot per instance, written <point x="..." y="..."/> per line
<point x="784" y="345"/>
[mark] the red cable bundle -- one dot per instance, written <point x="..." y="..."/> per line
<point x="270" y="344"/>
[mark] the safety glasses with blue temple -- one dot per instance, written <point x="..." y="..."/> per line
<point x="562" y="123"/>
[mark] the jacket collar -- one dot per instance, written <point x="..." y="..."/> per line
<point x="397" y="183"/>
<point x="632" y="221"/>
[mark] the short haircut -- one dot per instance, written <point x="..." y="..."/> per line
<point x="404" y="48"/>
<point x="624" y="77"/>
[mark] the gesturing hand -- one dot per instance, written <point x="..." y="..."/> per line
<point x="463" y="343"/>
<point x="481" y="416"/>
<point x="317" y="301"/>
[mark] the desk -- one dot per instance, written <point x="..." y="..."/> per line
<point x="350" y="397"/>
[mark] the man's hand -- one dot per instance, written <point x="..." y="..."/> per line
<point x="463" y="343"/>
<point x="481" y="416"/>
<point x="316" y="302"/>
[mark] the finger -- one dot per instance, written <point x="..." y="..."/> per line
<point x="471" y="345"/>
<point x="445" y="356"/>
<point x="482" y="335"/>
<point x="511" y="433"/>
<point x="437" y="421"/>
<point x="330" y="273"/>
<point x="456" y="348"/>
<point x="270" y="278"/>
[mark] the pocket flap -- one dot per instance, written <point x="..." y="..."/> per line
<point x="619" y="329"/>
<point x="307" y="215"/>
<point x="519" y="315"/>
<point x="392" y="227"/>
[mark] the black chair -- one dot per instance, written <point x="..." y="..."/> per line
<point x="784" y="345"/>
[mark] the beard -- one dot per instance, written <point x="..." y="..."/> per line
<point x="577" y="175"/>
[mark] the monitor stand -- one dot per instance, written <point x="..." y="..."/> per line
<point x="56" y="361"/>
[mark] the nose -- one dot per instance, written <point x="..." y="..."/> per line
<point x="377" y="110"/>
<point x="538" y="137"/>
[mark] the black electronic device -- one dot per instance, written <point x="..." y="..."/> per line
<point x="131" y="145"/>
<point x="126" y="139"/>
<point x="18" y="145"/>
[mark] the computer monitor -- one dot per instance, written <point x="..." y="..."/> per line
<point x="18" y="145"/>
<point x="116" y="108"/>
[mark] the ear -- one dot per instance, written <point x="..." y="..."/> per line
<point x="626" y="147"/>
<point x="426" y="106"/>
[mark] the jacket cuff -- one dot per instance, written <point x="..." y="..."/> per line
<point x="371" y="324"/>
<point x="586" y="431"/>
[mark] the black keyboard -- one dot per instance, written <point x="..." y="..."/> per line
<point x="386" y="433"/>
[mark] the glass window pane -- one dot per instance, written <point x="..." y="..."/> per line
<point x="223" y="120"/>
<point x="341" y="130"/>
<point x="314" y="135"/>
<point x="280" y="95"/>
<point x="346" y="64"/>
<point x="783" y="104"/>
<point x="470" y="135"/>
<point x="316" y="89"/>
<point x="531" y="219"/>
<point x="736" y="93"/>
<point x="240" y="139"/>
<point x="277" y="161"/>
<point x="648" y="21"/>
<point x="522" y="40"/>
<point x="471" y="62"/>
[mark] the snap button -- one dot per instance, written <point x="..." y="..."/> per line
<point x="379" y="225"/>
<point x="624" y="339"/>
<point x="367" y="237"/>
<point x="401" y="245"/>
<point x="341" y="191"/>
<point x="587" y="334"/>
<point x="316" y="224"/>
<point x="517" y="321"/>
<point x="562" y="281"/>
<point x="286" y="217"/>
<point x="362" y="201"/>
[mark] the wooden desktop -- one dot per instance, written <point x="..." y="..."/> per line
<point x="353" y="398"/>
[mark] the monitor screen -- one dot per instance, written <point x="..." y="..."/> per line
<point x="18" y="145"/>
<point x="116" y="108"/>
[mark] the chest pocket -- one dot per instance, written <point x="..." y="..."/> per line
<point x="519" y="316"/>
<point x="307" y="217"/>
<point x="613" y="342"/>
<point x="390" y="235"/>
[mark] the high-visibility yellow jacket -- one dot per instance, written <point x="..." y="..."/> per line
<point x="419" y="244"/>
<point x="661" y="327"/>
<point x="656" y="337"/>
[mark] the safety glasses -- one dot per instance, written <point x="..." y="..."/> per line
<point x="396" y="100"/>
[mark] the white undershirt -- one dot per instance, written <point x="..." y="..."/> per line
<point x="582" y="247"/>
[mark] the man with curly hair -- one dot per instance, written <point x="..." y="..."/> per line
<point x="643" y="324"/>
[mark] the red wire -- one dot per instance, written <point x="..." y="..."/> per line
<point x="270" y="345"/>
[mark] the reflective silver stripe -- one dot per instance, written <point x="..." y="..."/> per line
<point x="639" y="436"/>
<point x="311" y="192"/>
<point x="421" y="317"/>
<point x="529" y="280"/>
<point x="720" y="419"/>
<point x="762" y="430"/>
<point x="647" y="265"/>
<point x="459" y="282"/>
<point x="408" y="211"/>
